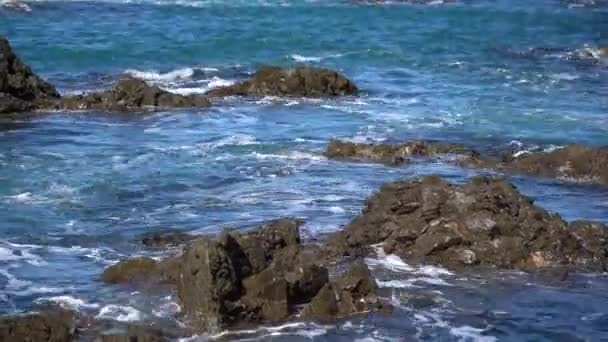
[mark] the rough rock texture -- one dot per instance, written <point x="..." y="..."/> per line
<point x="49" y="326"/>
<point x="246" y="278"/>
<point x="134" y="333"/>
<point x="392" y="154"/>
<point x="485" y="222"/>
<point x="132" y="94"/>
<point x="351" y="293"/>
<point x="20" y="89"/>
<point x="143" y="270"/>
<point x="290" y="82"/>
<point x="167" y="239"/>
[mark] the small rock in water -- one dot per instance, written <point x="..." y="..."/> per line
<point x="392" y="154"/>
<point x="290" y="82"/>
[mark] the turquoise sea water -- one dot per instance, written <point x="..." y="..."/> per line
<point x="77" y="191"/>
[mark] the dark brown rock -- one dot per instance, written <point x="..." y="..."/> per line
<point x="393" y="154"/>
<point x="48" y="326"/>
<point x="20" y="89"/>
<point x="132" y="94"/>
<point x="290" y="82"/>
<point x="485" y="222"/>
<point x="580" y="163"/>
<point x="353" y="292"/>
<point x="260" y="244"/>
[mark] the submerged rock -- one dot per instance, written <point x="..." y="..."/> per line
<point x="49" y="326"/>
<point x="290" y="82"/>
<point x="485" y="222"/>
<point x="392" y="154"/>
<point x="132" y="94"/>
<point x="20" y="89"/>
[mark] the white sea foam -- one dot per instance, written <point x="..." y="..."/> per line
<point x="69" y="302"/>
<point x="468" y="333"/>
<point x="154" y="76"/>
<point x="300" y="58"/>
<point x="120" y="313"/>
<point x="389" y="262"/>
<point x="292" y="155"/>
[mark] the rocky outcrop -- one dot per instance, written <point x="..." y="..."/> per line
<point x="290" y="82"/>
<point x="580" y="163"/>
<point x="393" y="154"/>
<point x="20" y="89"/>
<point x="132" y="94"/>
<point x="247" y="278"/>
<point x="49" y="326"/>
<point x="486" y="222"/>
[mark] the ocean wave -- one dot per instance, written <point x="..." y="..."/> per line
<point x="300" y="58"/>
<point x="179" y="74"/>
<point x="68" y="302"/>
<point x="121" y="313"/>
<point x="468" y="333"/>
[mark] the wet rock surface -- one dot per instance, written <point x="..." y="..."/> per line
<point x="290" y="82"/>
<point x="20" y="89"/>
<point x="393" y="154"/>
<point x="486" y="222"/>
<point x="53" y="325"/>
<point x="132" y="94"/>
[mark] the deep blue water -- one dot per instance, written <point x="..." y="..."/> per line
<point x="77" y="191"/>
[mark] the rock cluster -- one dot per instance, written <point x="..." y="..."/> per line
<point x="290" y="82"/>
<point x="132" y="94"/>
<point x="262" y="276"/>
<point x="486" y="222"/>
